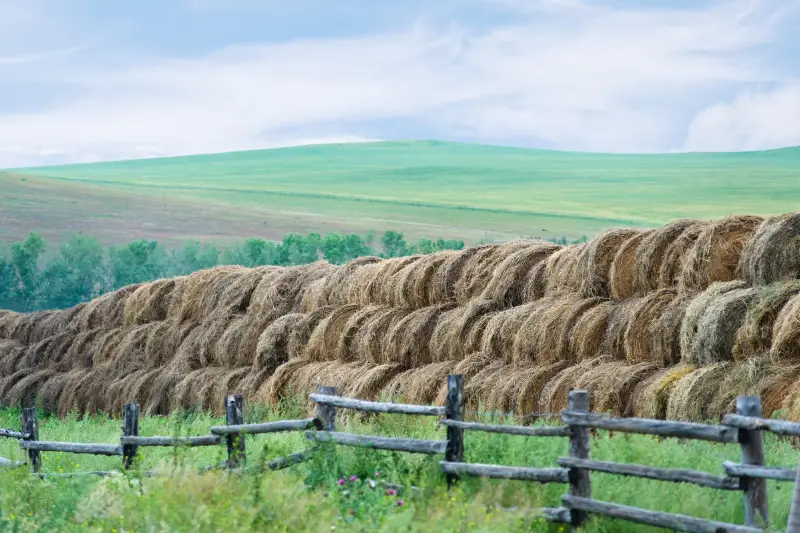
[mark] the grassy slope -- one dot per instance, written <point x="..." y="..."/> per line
<point x="436" y="188"/>
<point x="307" y="497"/>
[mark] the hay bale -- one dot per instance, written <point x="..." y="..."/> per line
<point x="749" y="378"/>
<point x="371" y="379"/>
<point x="502" y="328"/>
<point x="696" y="309"/>
<point x="650" y="397"/>
<point x="11" y="353"/>
<point x="508" y="282"/>
<point x="164" y="341"/>
<point x="447" y="277"/>
<point x="786" y="333"/>
<point x="8" y="320"/>
<point x="754" y="338"/>
<point x="373" y="283"/>
<point x="81" y="350"/>
<point x="716" y="330"/>
<point x="339" y="280"/>
<point x="311" y="296"/>
<point x="460" y="330"/>
<point x="773" y="254"/>
<point x="479" y="270"/>
<point x="238" y="345"/>
<point x="301" y="333"/>
<point x="204" y="289"/>
<point x="617" y="323"/>
<point x="622" y="276"/>
<point x="419" y="385"/>
<point x="554" y="396"/>
<point x="371" y="342"/>
<point x="199" y="347"/>
<point x="639" y="339"/>
<point x="561" y="270"/>
<point x="593" y="271"/>
<point x="652" y="252"/>
<point x="323" y="344"/>
<point x="412" y="286"/>
<point x="611" y="385"/>
<point x="277" y="386"/>
<point x="665" y="332"/>
<point x="585" y="338"/>
<point x="530" y="383"/>
<point x="24" y="390"/>
<point x="675" y="255"/>
<point x="281" y="291"/>
<point x="716" y="254"/>
<point x="50" y="391"/>
<point x="691" y="397"/>
<point x="150" y="302"/>
<point x="408" y="342"/>
<point x="105" y="311"/>
<point x="777" y="389"/>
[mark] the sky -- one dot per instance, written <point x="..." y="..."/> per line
<point x="93" y="80"/>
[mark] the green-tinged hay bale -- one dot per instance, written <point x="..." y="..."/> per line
<point x="561" y="270"/>
<point x="776" y="388"/>
<point x="413" y="285"/>
<point x="530" y="382"/>
<point x="323" y="344"/>
<point x="717" y="327"/>
<point x="697" y="308"/>
<point x="650" y="397"/>
<point x="164" y="341"/>
<point x="773" y="254"/>
<point x="447" y="277"/>
<point x="478" y="271"/>
<point x="554" y="395"/>
<point x="50" y="392"/>
<point x="150" y="302"/>
<point x="338" y="280"/>
<point x="611" y="385"/>
<point x="652" y="252"/>
<point x="408" y="342"/>
<point x="502" y="329"/>
<point x="299" y="335"/>
<point x="460" y="331"/>
<point x="81" y="352"/>
<point x="622" y="276"/>
<point x="665" y="332"/>
<point x="370" y="380"/>
<point x="585" y="338"/>
<point x="508" y="282"/>
<point x="675" y="255"/>
<point x="470" y="263"/>
<point x="639" y="339"/>
<point x="24" y="391"/>
<point x="419" y="385"/>
<point x="199" y="347"/>
<point x="749" y="378"/>
<point x="691" y="397"/>
<point x="239" y="343"/>
<point x="272" y="349"/>
<point x="786" y="333"/>
<point x="371" y="343"/>
<point x="105" y="311"/>
<point x="716" y="254"/>
<point x="592" y="273"/>
<point x="754" y="338"/>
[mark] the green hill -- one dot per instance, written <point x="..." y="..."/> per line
<point x="423" y="188"/>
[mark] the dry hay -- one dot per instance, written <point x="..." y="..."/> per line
<point x="652" y="252"/>
<point x="480" y="268"/>
<point x="199" y="347"/>
<point x="778" y="389"/>
<point x="7" y="321"/>
<point x="622" y="276"/>
<point x="323" y="344"/>
<point x="24" y="390"/>
<point x="750" y="378"/>
<point x="300" y="334"/>
<point x="509" y="280"/>
<point x="697" y="308"/>
<point x="413" y="286"/>
<point x="716" y="253"/>
<point x="51" y="323"/>
<point x="338" y="281"/>
<point x="161" y="390"/>
<point x="447" y="277"/>
<point x="554" y="395"/>
<point x="150" y="302"/>
<point x="530" y="382"/>
<point x="277" y="386"/>
<point x="371" y="342"/>
<point x="195" y="390"/>
<point x="204" y="289"/>
<point x="53" y="352"/>
<point x="692" y="396"/>
<point x="105" y="311"/>
<point x="83" y="387"/>
<point x="479" y="387"/>
<point x="611" y="385"/>
<point x="238" y="344"/>
<point x="650" y="397"/>
<point x="674" y="256"/>
<point x="81" y="351"/>
<point x="717" y="327"/>
<point x="460" y="330"/>
<point x="617" y="324"/>
<point x="593" y="271"/>
<point x="28" y="328"/>
<point x="408" y="342"/>
<point x="560" y="270"/>
<point x="372" y="284"/>
<point x="639" y="337"/>
<point x="774" y="252"/>
<point x="311" y="296"/>
<point x="50" y="391"/>
<point x="346" y="347"/>
<point x="786" y="333"/>
<point x="164" y="340"/>
<point x="419" y="385"/>
<point x="281" y="291"/>
<point x="665" y="332"/>
<point x="11" y="352"/>
<point x="585" y="338"/>
<point x="130" y="353"/>
<point x="754" y="338"/>
<point x="527" y="330"/>
<point x="502" y="328"/>
<point x="369" y="380"/>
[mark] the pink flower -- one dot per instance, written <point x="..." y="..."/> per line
<point x="391" y="492"/>
<point x="399" y="503"/>
<point x="377" y="474"/>
<point x="353" y="478"/>
<point x="341" y="481"/>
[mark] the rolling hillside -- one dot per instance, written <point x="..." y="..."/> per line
<point x="423" y="188"/>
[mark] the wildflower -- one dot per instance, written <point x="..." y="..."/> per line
<point x="391" y="492"/>
<point x="353" y="478"/>
<point x="377" y="473"/>
<point x="399" y="503"/>
<point x="341" y="481"/>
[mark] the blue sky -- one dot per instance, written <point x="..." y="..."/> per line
<point x="88" y="80"/>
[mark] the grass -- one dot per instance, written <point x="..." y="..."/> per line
<point x="426" y="189"/>
<point x="308" y="497"/>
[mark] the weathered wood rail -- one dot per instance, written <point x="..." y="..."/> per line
<point x="744" y="428"/>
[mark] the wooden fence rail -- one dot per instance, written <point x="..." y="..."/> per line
<point x="743" y="428"/>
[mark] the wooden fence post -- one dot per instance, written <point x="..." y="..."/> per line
<point x="30" y="425"/>
<point x="234" y="416"/>
<point x="327" y="413"/>
<point x="454" y="410"/>
<point x="580" y="484"/>
<point x="756" y="507"/>
<point x="793" y="525"/>
<point x="130" y="429"/>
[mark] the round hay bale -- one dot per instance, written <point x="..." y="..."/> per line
<point x="373" y="283"/>
<point x="52" y="323"/>
<point x="81" y="350"/>
<point x="786" y="333"/>
<point x="691" y="397"/>
<point x="617" y="324"/>
<point x="561" y="270"/>
<point x="502" y="328"/>
<point x="652" y="252"/>
<point x="312" y="296"/>
<point x="554" y="396"/>
<point x="717" y="327"/>
<point x="530" y="382"/>
<point x="666" y="332"/>
<point x="161" y="391"/>
<point x="339" y="280"/>
<point x="479" y="387"/>
<point x="675" y="255"/>
<point x="639" y="339"/>
<point x="408" y="342"/>
<point x="460" y="331"/>
<point x="479" y="270"/>
<point x="50" y="392"/>
<point x="527" y="340"/>
<point x="276" y="387"/>
<point x="106" y="310"/>
<point x="371" y="379"/>
<point x="622" y="276"/>
<point x="8" y="320"/>
<point x="650" y="397"/>
<point x="412" y="286"/>
<point x="743" y="378"/>
<point x="11" y="353"/>
<point x="696" y="309"/>
<point x="198" y="349"/>
<point x="585" y="338"/>
<point x="371" y="342"/>
<point x="204" y="289"/>
<point x="150" y="302"/>
<point x="164" y="341"/>
<point x="453" y="269"/>
<point x="773" y="254"/>
<point x="237" y="346"/>
<point x="611" y="385"/>
<point x="280" y="292"/>
<point x="323" y="344"/>
<point x="24" y="391"/>
<point x="716" y="253"/>
<point x="419" y="385"/>
<point x="754" y="338"/>
<point x="301" y="332"/>
<point x="508" y="283"/>
<point x="130" y="353"/>
<point x="593" y="271"/>
<point x="777" y="389"/>
<point x="272" y="349"/>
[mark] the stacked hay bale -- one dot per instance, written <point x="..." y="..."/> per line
<point x="668" y="322"/>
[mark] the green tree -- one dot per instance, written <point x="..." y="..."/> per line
<point x="76" y="275"/>
<point x="394" y="245"/>
<point x="137" y="262"/>
<point x="25" y="263"/>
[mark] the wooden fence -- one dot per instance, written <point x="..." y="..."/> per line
<point x="744" y="428"/>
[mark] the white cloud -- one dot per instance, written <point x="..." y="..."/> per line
<point x="754" y="120"/>
<point x="575" y="75"/>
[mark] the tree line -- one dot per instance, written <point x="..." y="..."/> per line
<point x="33" y="276"/>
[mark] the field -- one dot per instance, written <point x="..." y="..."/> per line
<point x="424" y="189"/>
<point x="307" y="497"/>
